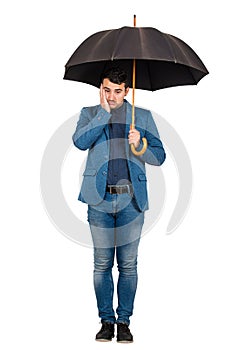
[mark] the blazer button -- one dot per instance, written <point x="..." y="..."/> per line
<point x="104" y="173"/>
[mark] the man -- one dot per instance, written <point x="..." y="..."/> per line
<point x="114" y="187"/>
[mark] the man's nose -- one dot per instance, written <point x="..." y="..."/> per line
<point x="111" y="95"/>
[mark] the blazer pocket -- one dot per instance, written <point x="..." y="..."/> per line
<point x="89" y="172"/>
<point x="142" y="177"/>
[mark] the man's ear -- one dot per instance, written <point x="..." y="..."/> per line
<point x="126" y="91"/>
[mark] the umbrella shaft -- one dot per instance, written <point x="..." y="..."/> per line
<point x="133" y="94"/>
<point x="133" y="84"/>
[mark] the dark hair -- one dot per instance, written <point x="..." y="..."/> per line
<point x="116" y="76"/>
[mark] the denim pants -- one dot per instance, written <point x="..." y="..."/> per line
<point x="115" y="226"/>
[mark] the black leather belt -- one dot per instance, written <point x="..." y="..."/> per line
<point x="120" y="189"/>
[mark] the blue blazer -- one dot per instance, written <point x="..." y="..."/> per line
<point x="92" y="133"/>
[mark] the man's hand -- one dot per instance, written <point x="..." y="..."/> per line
<point x="134" y="137"/>
<point x="103" y="100"/>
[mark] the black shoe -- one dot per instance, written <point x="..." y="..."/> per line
<point x="123" y="333"/>
<point x="106" y="333"/>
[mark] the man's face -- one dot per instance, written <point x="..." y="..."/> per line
<point x="114" y="93"/>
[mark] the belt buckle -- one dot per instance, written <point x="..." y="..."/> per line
<point x="124" y="189"/>
<point x="128" y="189"/>
<point x="120" y="189"/>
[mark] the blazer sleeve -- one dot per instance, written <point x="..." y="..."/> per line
<point x="89" y="127"/>
<point x="155" y="153"/>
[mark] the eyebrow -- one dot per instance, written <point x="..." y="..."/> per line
<point x="107" y="88"/>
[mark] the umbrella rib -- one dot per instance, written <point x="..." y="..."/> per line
<point x="149" y="74"/>
<point x="116" y="44"/>
<point x="191" y="73"/>
<point x="170" y="47"/>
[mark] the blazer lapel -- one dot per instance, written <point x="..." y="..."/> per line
<point x="106" y="129"/>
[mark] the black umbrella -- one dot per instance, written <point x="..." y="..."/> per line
<point x="162" y="60"/>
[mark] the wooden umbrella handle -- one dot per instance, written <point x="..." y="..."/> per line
<point x="144" y="140"/>
<point x="142" y="151"/>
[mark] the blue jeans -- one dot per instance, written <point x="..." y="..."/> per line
<point x="115" y="226"/>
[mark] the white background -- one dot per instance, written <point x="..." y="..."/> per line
<point x="184" y="298"/>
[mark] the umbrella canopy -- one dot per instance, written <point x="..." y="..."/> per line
<point x="162" y="60"/>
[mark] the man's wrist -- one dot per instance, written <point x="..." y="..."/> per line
<point x="140" y="145"/>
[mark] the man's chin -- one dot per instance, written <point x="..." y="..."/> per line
<point x="112" y="105"/>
